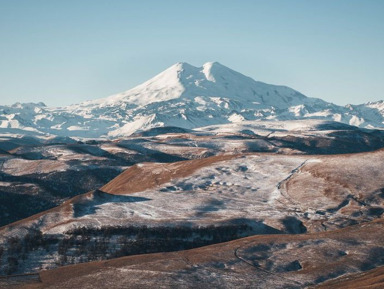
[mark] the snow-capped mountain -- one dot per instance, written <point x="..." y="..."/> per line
<point x="183" y="96"/>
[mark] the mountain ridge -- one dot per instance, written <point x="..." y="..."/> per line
<point x="183" y="96"/>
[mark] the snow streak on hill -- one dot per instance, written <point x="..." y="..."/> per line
<point x="183" y="96"/>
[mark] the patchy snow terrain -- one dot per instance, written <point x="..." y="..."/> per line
<point x="60" y="168"/>
<point x="255" y="193"/>
<point x="273" y="261"/>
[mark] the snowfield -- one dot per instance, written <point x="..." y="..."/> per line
<point x="182" y="96"/>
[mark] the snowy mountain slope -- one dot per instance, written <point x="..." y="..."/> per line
<point x="183" y="96"/>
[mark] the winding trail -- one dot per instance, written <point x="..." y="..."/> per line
<point x="278" y="190"/>
<point x="282" y="182"/>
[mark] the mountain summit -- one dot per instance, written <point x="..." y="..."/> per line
<point x="213" y="79"/>
<point x="183" y="96"/>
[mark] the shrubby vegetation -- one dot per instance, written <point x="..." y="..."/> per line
<point x="16" y="250"/>
<point x="85" y="244"/>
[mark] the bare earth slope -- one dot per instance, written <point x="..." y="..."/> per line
<point x="372" y="279"/>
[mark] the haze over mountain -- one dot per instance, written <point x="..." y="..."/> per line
<point x="183" y="96"/>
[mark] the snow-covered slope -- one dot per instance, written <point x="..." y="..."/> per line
<point x="183" y="96"/>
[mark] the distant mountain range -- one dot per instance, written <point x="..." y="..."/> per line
<point x="187" y="97"/>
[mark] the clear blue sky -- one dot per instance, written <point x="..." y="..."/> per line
<point x="65" y="51"/>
